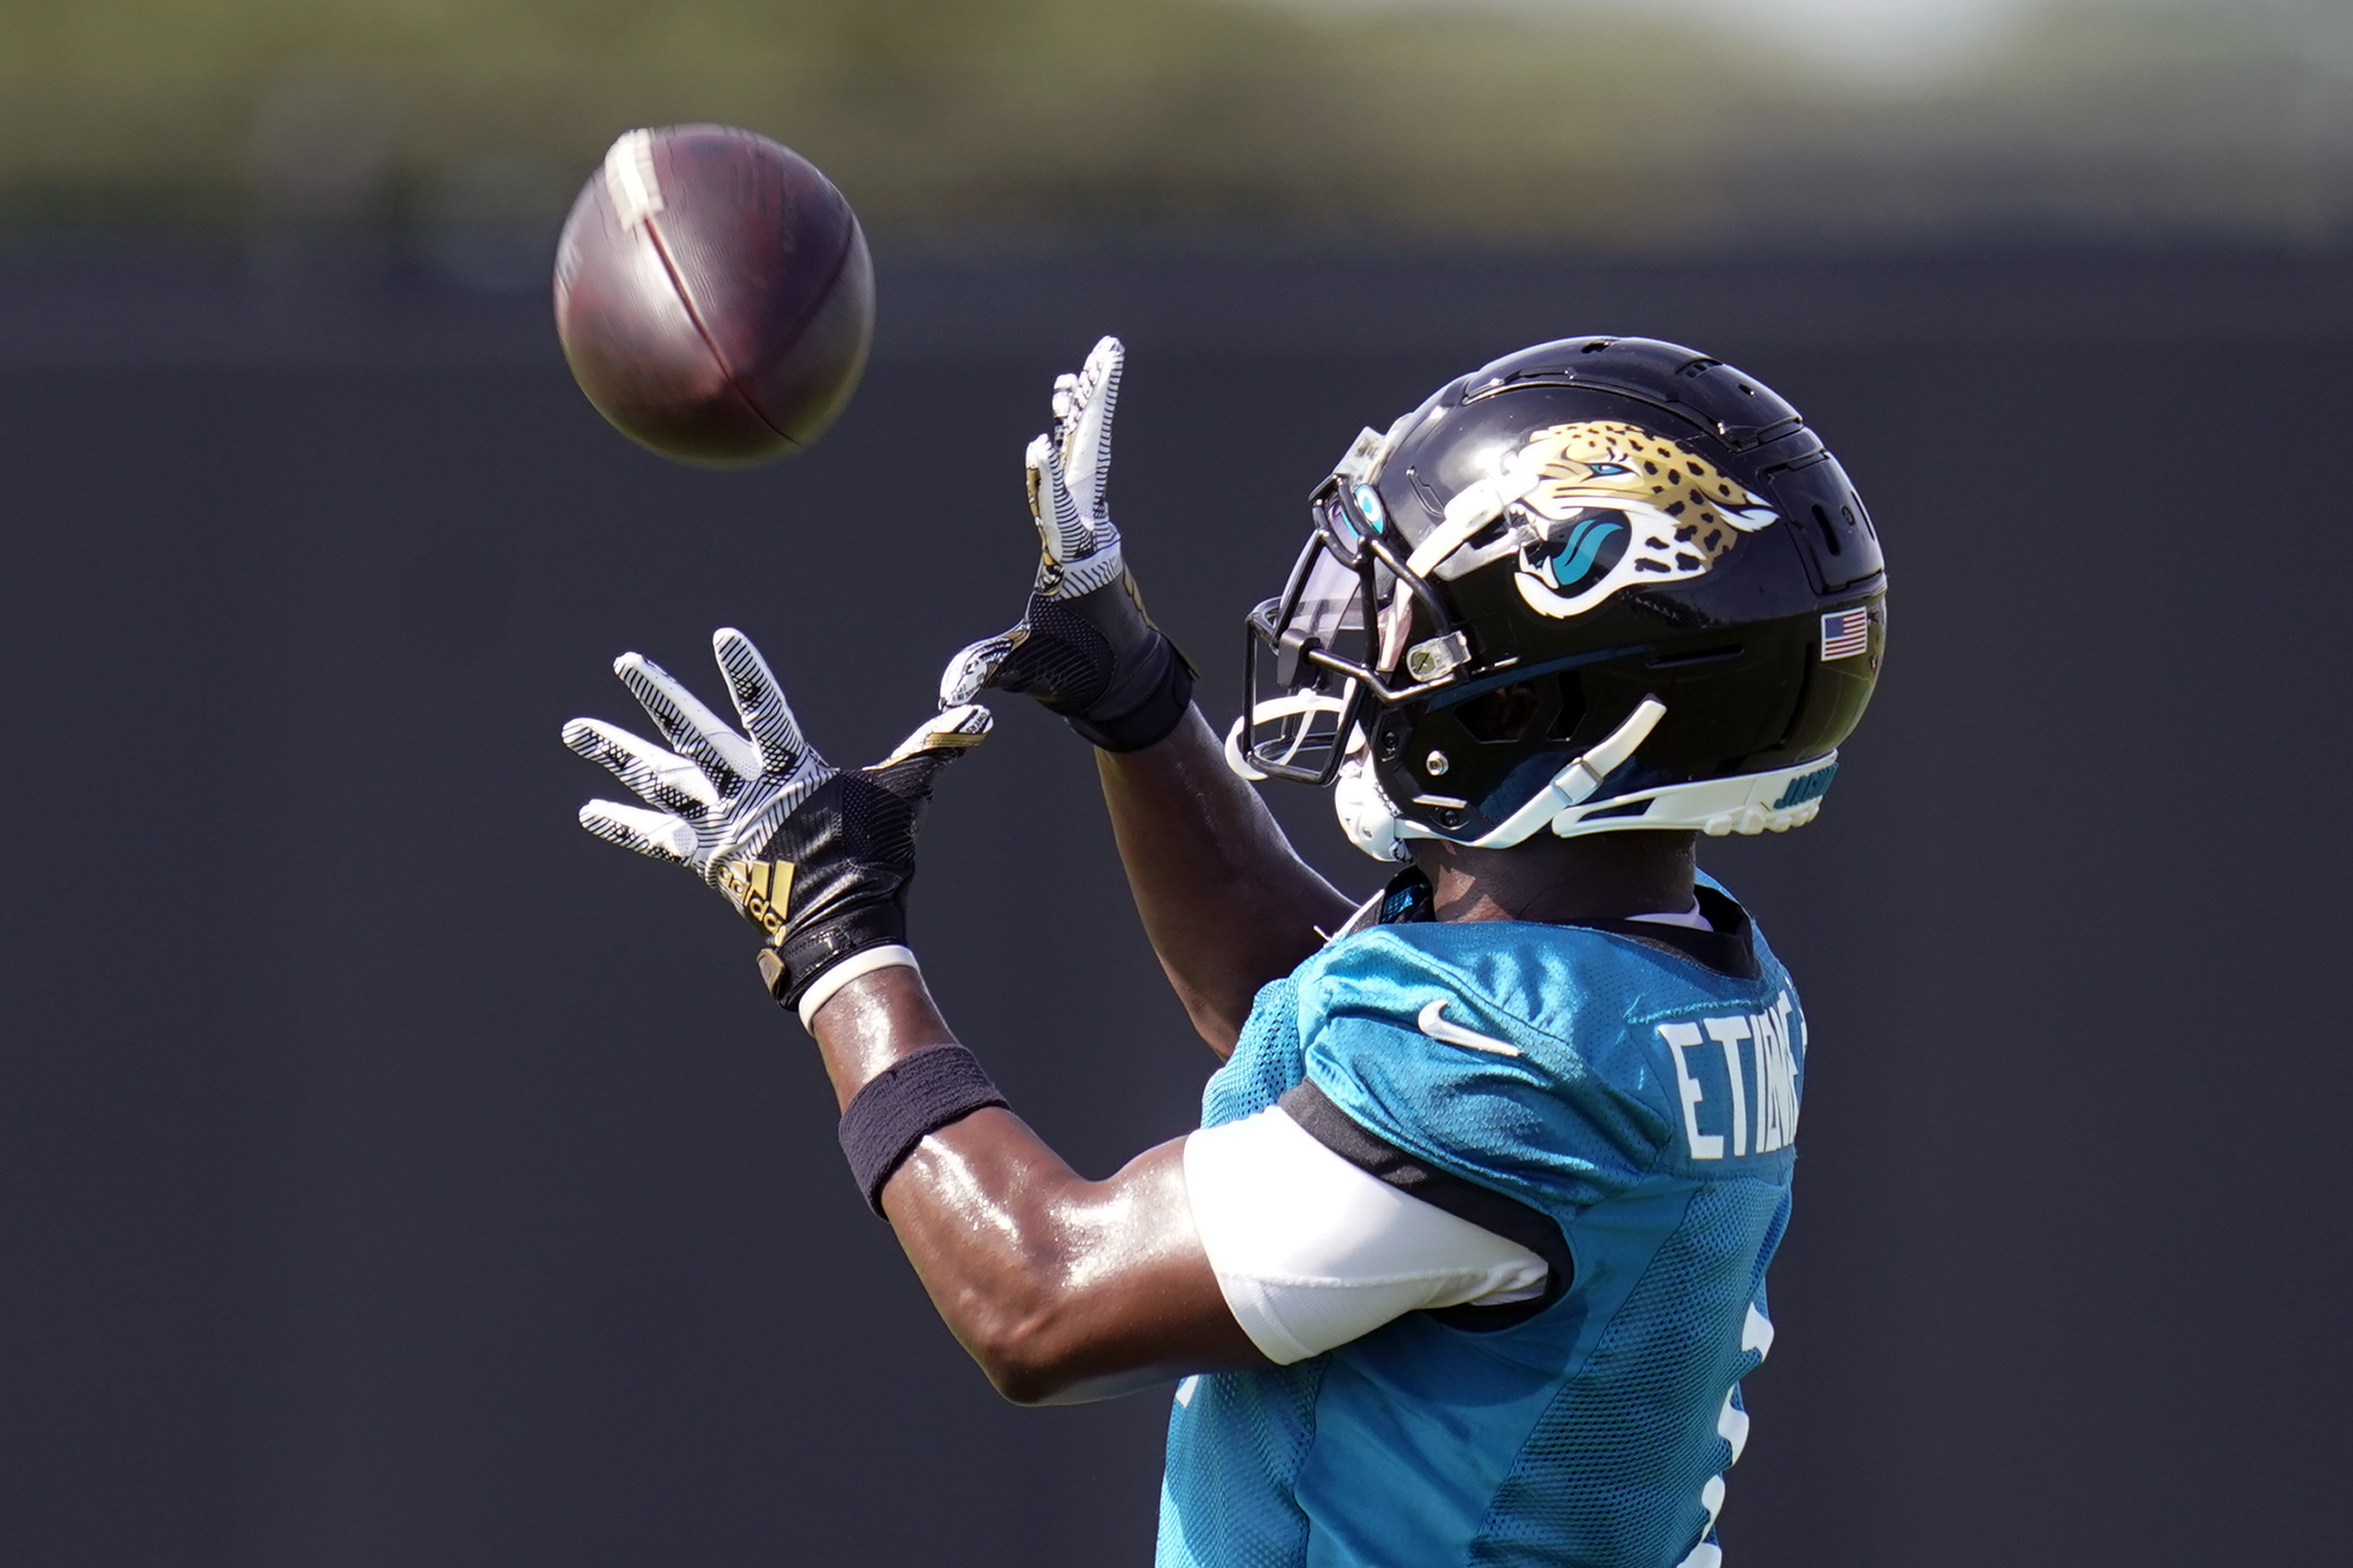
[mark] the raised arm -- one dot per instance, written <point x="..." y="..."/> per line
<point x="1226" y="902"/>
<point x="1062" y="1288"/>
<point x="1259" y="1244"/>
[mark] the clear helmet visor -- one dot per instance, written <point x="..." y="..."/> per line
<point x="1331" y="607"/>
<point x="1304" y="703"/>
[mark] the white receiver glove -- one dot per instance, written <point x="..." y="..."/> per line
<point x="817" y="857"/>
<point x="1084" y="648"/>
<point x="1069" y="468"/>
<point x="716" y="798"/>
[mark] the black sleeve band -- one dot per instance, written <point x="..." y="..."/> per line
<point x="906" y="1103"/>
<point x="1482" y="1206"/>
<point x="1151" y="721"/>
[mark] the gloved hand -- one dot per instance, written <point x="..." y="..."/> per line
<point x="816" y="857"/>
<point x="1084" y="648"/>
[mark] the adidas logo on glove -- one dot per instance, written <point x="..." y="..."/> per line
<point x="762" y="890"/>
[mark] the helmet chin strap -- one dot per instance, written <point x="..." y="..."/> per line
<point x="1371" y="822"/>
<point x="1574" y="784"/>
<point x="1770" y="801"/>
<point x="1365" y="814"/>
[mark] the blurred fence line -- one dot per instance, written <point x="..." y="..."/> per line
<point x="1574" y="123"/>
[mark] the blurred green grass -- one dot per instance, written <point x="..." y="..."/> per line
<point x="1599" y="126"/>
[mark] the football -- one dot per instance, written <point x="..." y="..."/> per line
<point x="714" y="294"/>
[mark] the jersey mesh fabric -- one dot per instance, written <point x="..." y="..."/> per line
<point x="1266" y="1059"/>
<point x="1590" y="1434"/>
<point x="1615" y="1470"/>
<point x="1238" y="1439"/>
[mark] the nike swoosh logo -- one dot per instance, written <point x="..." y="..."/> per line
<point x="1433" y="1022"/>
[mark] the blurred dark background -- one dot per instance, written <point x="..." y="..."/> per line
<point x="391" y="1176"/>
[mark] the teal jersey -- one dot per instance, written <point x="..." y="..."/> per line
<point x="1632" y="1087"/>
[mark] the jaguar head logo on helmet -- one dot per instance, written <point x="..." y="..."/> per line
<point x="1600" y="584"/>
<point x="1614" y="506"/>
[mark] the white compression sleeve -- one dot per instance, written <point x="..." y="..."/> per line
<point x="1311" y="1252"/>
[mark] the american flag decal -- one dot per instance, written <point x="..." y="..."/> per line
<point x="1845" y="634"/>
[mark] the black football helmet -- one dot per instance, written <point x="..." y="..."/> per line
<point x="1601" y="584"/>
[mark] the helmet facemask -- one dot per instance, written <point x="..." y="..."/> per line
<point x="1317" y="658"/>
<point x="1586" y="536"/>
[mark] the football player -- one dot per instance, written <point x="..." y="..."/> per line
<point x="1467" y="1261"/>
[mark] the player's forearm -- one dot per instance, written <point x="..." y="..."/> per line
<point x="1064" y="1289"/>
<point x="1061" y="1289"/>
<point x="1228" y="903"/>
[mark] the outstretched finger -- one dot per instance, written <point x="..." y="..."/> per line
<point x="1086" y="432"/>
<point x="760" y="699"/>
<point x="654" y="833"/>
<point x="1060" y="529"/>
<point x="694" y="730"/>
<point x="664" y="778"/>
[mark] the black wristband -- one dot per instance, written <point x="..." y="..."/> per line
<point x="906" y="1103"/>
<point x="1151" y="719"/>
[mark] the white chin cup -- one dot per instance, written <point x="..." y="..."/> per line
<point x="1365" y="812"/>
